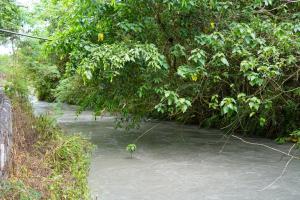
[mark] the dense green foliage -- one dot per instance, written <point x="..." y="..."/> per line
<point x="38" y="68"/>
<point x="216" y="63"/>
<point x="10" y="16"/>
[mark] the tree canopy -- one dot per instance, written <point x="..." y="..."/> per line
<point x="10" y="16"/>
<point x="216" y="63"/>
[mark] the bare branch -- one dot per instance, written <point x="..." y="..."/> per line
<point x="282" y="172"/>
<point x="266" y="146"/>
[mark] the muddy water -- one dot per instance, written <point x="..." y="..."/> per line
<point x="176" y="162"/>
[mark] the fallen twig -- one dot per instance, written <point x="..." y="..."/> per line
<point x="282" y="172"/>
<point x="146" y="132"/>
<point x="274" y="149"/>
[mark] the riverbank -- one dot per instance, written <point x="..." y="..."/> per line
<point x="46" y="164"/>
<point x="176" y="161"/>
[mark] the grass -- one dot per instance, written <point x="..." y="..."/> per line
<point x="5" y="63"/>
<point x="46" y="163"/>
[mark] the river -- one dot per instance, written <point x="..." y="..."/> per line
<point x="178" y="162"/>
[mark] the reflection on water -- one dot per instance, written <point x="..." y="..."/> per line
<point x="176" y="162"/>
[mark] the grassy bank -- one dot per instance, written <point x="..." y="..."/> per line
<point x="46" y="164"/>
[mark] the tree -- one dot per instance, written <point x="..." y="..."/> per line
<point x="10" y="17"/>
<point x="206" y="61"/>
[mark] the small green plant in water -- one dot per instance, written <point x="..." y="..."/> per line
<point x="131" y="148"/>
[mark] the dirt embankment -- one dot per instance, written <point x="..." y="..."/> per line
<point x="27" y="164"/>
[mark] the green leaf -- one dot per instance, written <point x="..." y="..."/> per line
<point x="251" y="114"/>
<point x="224" y="61"/>
<point x="262" y="121"/>
<point x="88" y="74"/>
<point x="131" y="148"/>
<point x="228" y="106"/>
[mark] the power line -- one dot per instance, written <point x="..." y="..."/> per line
<point x="22" y="34"/>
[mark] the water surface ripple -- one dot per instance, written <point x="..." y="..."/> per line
<point x="177" y="162"/>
